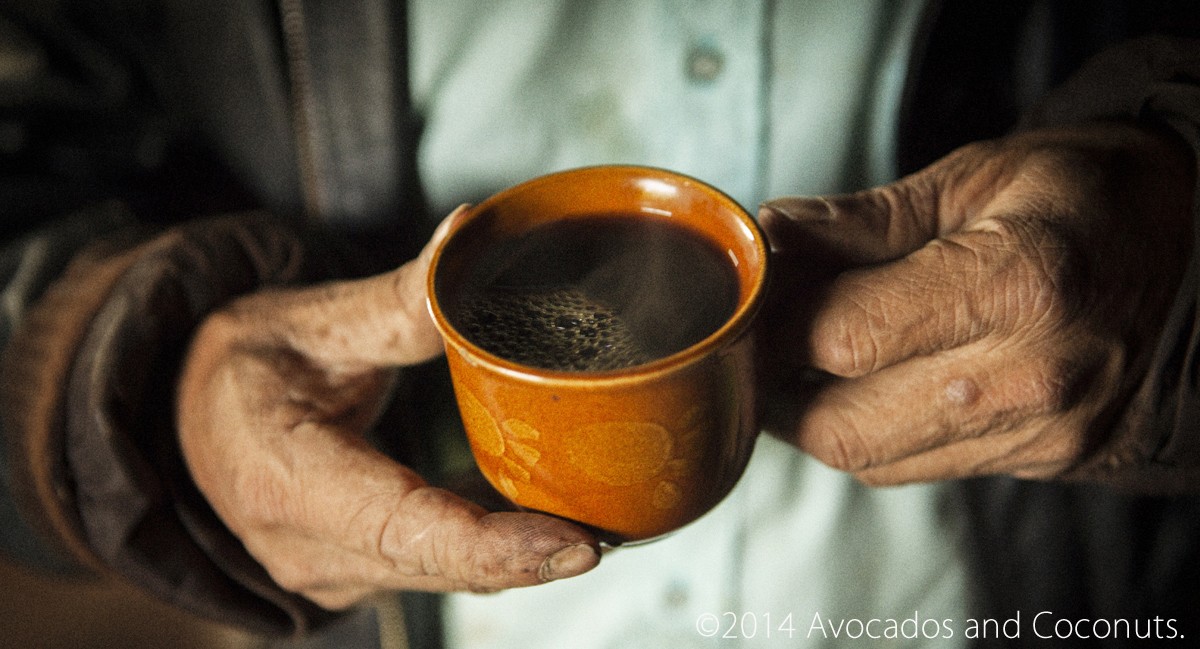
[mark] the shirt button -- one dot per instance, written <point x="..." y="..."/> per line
<point x="704" y="64"/>
<point x="676" y="596"/>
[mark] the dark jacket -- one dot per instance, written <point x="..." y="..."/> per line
<point x="159" y="158"/>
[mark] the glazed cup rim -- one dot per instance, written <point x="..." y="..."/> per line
<point x="730" y="331"/>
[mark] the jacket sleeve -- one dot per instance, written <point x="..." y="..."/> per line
<point x="87" y="403"/>
<point x="27" y="266"/>
<point x="107" y="268"/>
<point x="1154" y="81"/>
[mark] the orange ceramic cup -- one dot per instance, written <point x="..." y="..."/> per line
<point x="634" y="453"/>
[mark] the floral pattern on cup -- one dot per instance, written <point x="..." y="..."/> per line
<point x="637" y="453"/>
<point x="511" y="441"/>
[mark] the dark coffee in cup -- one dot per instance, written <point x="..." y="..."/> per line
<point x="596" y="293"/>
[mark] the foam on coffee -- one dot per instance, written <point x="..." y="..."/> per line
<point x="555" y="328"/>
<point x="596" y="294"/>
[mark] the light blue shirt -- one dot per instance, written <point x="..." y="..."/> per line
<point x="760" y="98"/>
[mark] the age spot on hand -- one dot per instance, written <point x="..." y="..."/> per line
<point x="962" y="392"/>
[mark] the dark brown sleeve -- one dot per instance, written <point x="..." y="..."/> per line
<point x="88" y="398"/>
<point x="1155" y="81"/>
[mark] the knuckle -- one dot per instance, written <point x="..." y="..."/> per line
<point x="846" y="342"/>
<point x="837" y="444"/>
<point x="840" y="453"/>
<point x="411" y="327"/>
<point x="1042" y="278"/>
<point x="1046" y="386"/>
<point x="432" y="547"/>
<point x="484" y="571"/>
<point x="966" y="317"/>
<point x="836" y="351"/>
<point x="908" y="200"/>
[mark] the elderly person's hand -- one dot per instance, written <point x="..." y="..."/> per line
<point x="277" y="390"/>
<point x="990" y="314"/>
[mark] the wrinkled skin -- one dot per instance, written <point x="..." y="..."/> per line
<point x="990" y="314"/>
<point x="277" y="391"/>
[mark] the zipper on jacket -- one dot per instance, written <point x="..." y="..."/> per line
<point x="389" y="613"/>
<point x="299" y="69"/>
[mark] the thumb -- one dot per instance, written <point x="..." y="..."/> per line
<point x="847" y="230"/>
<point x="399" y="533"/>
<point x="888" y="222"/>
<point x="377" y="321"/>
<point x="437" y="541"/>
<point x="332" y="518"/>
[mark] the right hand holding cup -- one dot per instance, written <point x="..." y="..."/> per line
<point x="990" y="314"/>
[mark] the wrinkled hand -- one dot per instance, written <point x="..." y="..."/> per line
<point x="276" y="392"/>
<point x="989" y="314"/>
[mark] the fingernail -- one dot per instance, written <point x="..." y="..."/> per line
<point x="568" y="562"/>
<point x="797" y="208"/>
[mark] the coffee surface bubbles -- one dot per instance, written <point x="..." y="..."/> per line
<point x="551" y="328"/>
<point x="596" y="294"/>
